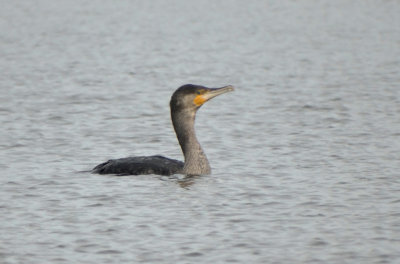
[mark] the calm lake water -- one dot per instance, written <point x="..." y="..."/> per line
<point x="305" y="153"/>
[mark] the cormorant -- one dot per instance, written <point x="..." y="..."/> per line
<point x="185" y="102"/>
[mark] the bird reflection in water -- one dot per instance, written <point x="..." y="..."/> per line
<point x="188" y="181"/>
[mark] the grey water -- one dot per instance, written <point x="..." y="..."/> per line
<point x="305" y="152"/>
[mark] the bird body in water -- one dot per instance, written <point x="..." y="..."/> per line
<point x="184" y="104"/>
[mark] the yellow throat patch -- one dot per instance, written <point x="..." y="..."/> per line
<point x="199" y="100"/>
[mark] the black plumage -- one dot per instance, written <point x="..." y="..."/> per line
<point x="184" y="104"/>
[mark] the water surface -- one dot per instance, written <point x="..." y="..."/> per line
<point x="305" y="152"/>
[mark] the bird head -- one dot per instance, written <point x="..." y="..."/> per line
<point x="191" y="97"/>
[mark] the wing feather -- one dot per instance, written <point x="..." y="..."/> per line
<point x="140" y="165"/>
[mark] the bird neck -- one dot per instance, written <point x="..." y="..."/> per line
<point x="196" y="162"/>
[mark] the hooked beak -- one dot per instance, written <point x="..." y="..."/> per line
<point x="211" y="93"/>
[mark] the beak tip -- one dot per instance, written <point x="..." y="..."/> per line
<point x="229" y="88"/>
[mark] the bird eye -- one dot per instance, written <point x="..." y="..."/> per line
<point x="198" y="92"/>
